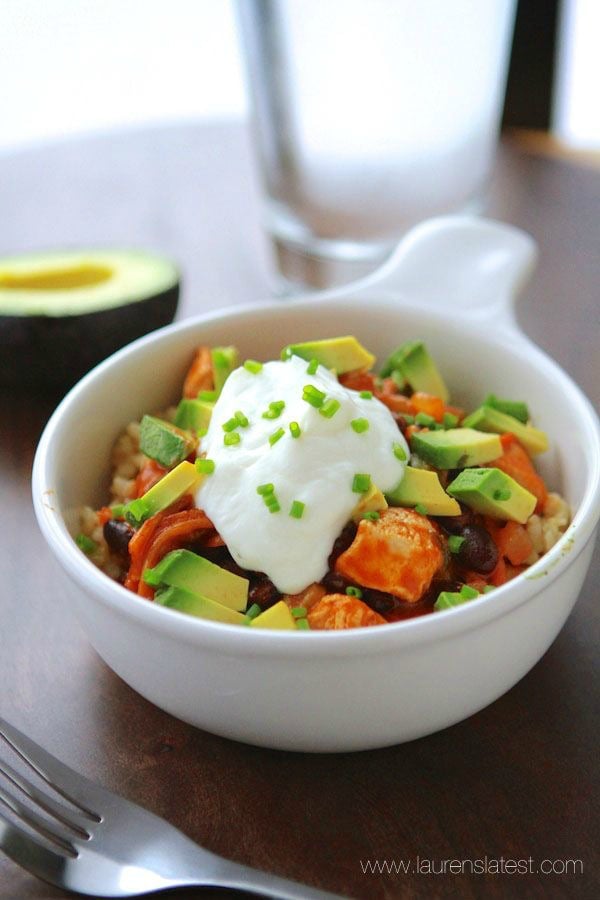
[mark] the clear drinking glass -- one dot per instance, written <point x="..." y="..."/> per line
<point x="369" y="116"/>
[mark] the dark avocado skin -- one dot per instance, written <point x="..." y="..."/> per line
<point x="46" y="353"/>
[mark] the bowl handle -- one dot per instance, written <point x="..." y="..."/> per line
<point x="473" y="265"/>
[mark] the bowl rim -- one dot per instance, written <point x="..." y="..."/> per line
<point x="221" y="637"/>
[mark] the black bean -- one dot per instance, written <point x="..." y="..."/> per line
<point x="401" y="422"/>
<point x="380" y="601"/>
<point x="117" y="535"/>
<point x="334" y="583"/>
<point x="263" y="592"/>
<point x="455" y="524"/>
<point x="478" y="551"/>
<point x="342" y="542"/>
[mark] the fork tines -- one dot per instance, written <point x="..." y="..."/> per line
<point x="59" y="824"/>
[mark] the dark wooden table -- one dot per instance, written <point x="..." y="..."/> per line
<point x="518" y="780"/>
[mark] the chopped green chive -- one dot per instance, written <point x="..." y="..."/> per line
<point x="299" y="612"/>
<point x="231" y="439"/>
<point x="360" y="425"/>
<point x="252" y="366"/>
<point x="240" y="418"/>
<point x="372" y="515"/>
<point x="273" y="438"/>
<point x="295" y="430"/>
<point x="502" y="494"/>
<point x="296" y="509"/>
<point x="366" y="395"/>
<point x="449" y="420"/>
<point x="424" y="419"/>
<point x="361" y="483"/>
<point x="399" y="452"/>
<point x="329" y="408"/>
<point x="455" y="542"/>
<point x="85" y="543"/>
<point x="354" y="592"/>
<point x="118" y="510"/>
<point x="267" y="492"/>
<point x="419" y="508"/>
<point x="209" y="396"/>
<point x="230" y="425"/>
<point x="408" y="418"/>
<point x="488" y="588"/>
<point x="303" y="625"/>
<point x="275" y="409"/>
<point x="468" y="592"/>
<point x="254" y="611"/>
<point x="286" y="353"/>
<point x="312" y="367"/>
<point x="205" y="466"/>
<point x="313" y="395"/>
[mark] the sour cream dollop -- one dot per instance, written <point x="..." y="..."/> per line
<point x="317" y="469"/>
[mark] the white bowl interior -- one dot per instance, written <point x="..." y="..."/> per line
<point x="148" y="376"/>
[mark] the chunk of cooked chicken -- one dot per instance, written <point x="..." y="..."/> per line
<point x="336" y="611"/>
<point x="399" y="553"/>
<point x="307" y="598"/>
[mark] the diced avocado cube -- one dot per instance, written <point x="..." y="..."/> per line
<point x="224" y="361"/>
<point x="164" y="442"/>
<point x="184" y="569"/>
<point x="344" y="354"/>
<point x="412" y="359"/>
<point x="492" y="420"/>
<point x="195" y="415"/>
<point x="183" y="479"/>
<point x="422" y="487"/>
<point x="372" y="501"/>
<point x="279" y="617"/>
<point x="515" y="408"/>
<point x="448" y="599"/>
<point x="196" y="605"/>
<point x="456" y="448"/>
<point x="492" y="492"/>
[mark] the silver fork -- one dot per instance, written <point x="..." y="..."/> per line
<point x="102" y="844"/>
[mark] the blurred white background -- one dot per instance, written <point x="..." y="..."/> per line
<point x="70" y="66"/>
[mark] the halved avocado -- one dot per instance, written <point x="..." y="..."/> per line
<point x="63" y="312"/>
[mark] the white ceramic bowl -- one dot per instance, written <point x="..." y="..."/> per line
<point x="451" y="282"/>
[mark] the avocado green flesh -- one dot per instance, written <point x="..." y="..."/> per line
<point x="62" y="313"/>
<point x="422" y="487"/>
<point x="162" y="442"/>
<point x="344" y="354"/>
<point x="224" y="361"/>
<point x="182" y="479"/>
<point x="76" y="282"/>
<point x="516" y="408"/>
<point x="187" y="570"/>
<point x="456" y="448"/>
<point x="193" y="414"/>
<point x="493" y="420"/>
<point x="493" y="493"/>
<point x="448" y="599"/>
<point x="196" y="605"/>
<point x="277" y="618"/>
<point x="413" y="361"/>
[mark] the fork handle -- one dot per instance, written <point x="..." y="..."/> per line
<point x="243" y="878"/>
